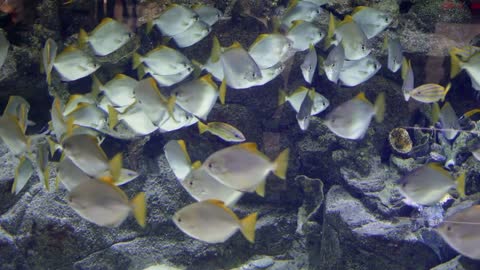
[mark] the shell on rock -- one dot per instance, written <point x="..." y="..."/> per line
<point x="400" y="140"/>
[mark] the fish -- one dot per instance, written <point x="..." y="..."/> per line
<point x="268" y="75"/>
<point x="169" y="80"/>
<point x="333" y="64"/>
<point x="150" y="100"/>
<point x="303" y="115"/>
<point x="469" y="61"/>
<point x="429" y="93"/>
<point x="371" y="20"/>
<point x="198" y="31"/>
<point x="118" y="90"/>
<point x="212" y="222"/>
<point x="105" y="204"/>
<point x="163" y="60"/>
<point x="239" y="68"/>
<point x="23" y="172"/>
<point x="4" y="47"/>
<point x="179" y="119"/>
<point x="303" y="34"/>
<point x="449" y="121"/>
<point x="309" y="65"/>
<point x="207" y="14"/>
<point x="243" y="168"/>
<point x="198" y="96"/>
<point x="320" y="103"/>
<point x="58" y="125"/>
<point x="43" y="170"/>
<point x="269" y="50"/>
<point x="83" y="150"/>
<point x="89" y="115"/>
<point x="178" y="158"/>
<point x="13" y="136"/>
<point x="351" y="119"/>
<point x="134" y="118"/>
<point x="76" y="100"/>
<point x="49" y="53"/>
<point x="356" y="72"/>
<point x="319" y="2"/>
<point x="300" y="10"/>
<point x="460" y="231"/>
<point x="352" y="38"/>
<point x="18" y="107"/>
<point x="202" y="186"/>
<point x="106" y="38"/>
<point x="174" y="20"/>
<point x="395" y="54"/>
<point x="408" y="78"/>
<point x="73" y="64"/>
<point x="222" y="130"/>
<point x="428" y="184"/>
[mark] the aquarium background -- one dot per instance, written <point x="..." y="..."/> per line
<point x="339" y="207"/>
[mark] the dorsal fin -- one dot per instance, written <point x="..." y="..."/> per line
<point x="121" y="76"/>
<point x="196" y="165"/>
<point x="347" y="19"/>
<point x="439" y="168"/>
<point x="249" y="146"/>
<point x="358" y="9"/>
<point x="361" y="96"/>
<point x="222" y="205"/>
<point x="208" y="79"/>
<point x="183" y="146"/>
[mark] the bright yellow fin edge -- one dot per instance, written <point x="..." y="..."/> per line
<point x="281" y="164"/>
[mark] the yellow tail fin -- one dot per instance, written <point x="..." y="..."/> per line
<point x="112" y="117"/>
<point x="216" y="50"/>
<point x="202" y="127"/>
<point x="447" y="88"/>
<point x="247" y="226"/>
<point x="172" y="101"/>
<point x="139" y="207"/>
<point x="380" y="107"/>
<point x="282" y="97"/>
<point x="330" y="33"/>
<point x="82" y="38"/>
<point x="136" y="60"/>
<point x="116" y="166"/>
<point x="260" y="190"/>
<point x="141" y="72"/>
<point x="461" y="185"/>
<point x="281" y="164"/>
<point x="149" y="26"/>
<point x="455" y="63"/>
<point x="223" y="91"/>
<point x="46" y="178"/>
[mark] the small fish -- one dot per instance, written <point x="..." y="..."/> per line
<point x="222" y="130"/>
<point x="198" y="31"/>
<point x="242" y="167"/>
<point x="239" y="68"/>
<point x="76" y="100"/>
<point x="461" y="231"/>
<point x="449" y="121"/>
<point x="207" y="14"/>
<point x="198" y="96"/>
<point x="105" y="204"/>
<point x="18" y="107"/>
<point x="309" y="65"/>
<point x="269" y="50"/>
<point x="269" y="74"/>
<point x="428" y="184"/>
<point x="408" y="78"/>
<point x="163" y="60"/>
<point x="73" y="64"/>
<point x="23" y="172"/>
<point x="178" y="158"/>
<point x="350" y="120"/>
<point x="49" y="54"/>
<point x="300" y="10"/>
<point x="202" y="186"/>
<point x="356" y="72"/>
<point x="4" y="46"/>
<point x="211" y="221"/>
<point x="134" y="118"/>
<point x="43" y="170"/>
<point x="88" y="115"/>
<point x="150" y="100"/>
<point x="179" y="119"/>
<point x="430" y="92"/>
<point x="13" y="136"/>
<point x="303" y="34"/>
<point x="58" y="125"/>
<point x="175" y="19"/>
<point x="118" y="90"/>
<point x="371" y="20"/>
<point x="352" y="38"/>
<point x="169" y="80"/>
<point x="70" y="175"/>
<point x="303" y="115"/>
<point x="320" y="103"/>
<point x="333" y="65"/>
<point x="395" y="54"/>
<point x="471" y="64"/>
<point x="106" y="38"/>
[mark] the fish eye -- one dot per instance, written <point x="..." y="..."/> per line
<point x="375" y="66"/>
<point x="190" y="183"/>
<point x="449" y="228"/>
<point x="130" y="35"/>
<point x="210" y="165"/>
<point x="179" y="219"/>
<point x="318" y="11"/>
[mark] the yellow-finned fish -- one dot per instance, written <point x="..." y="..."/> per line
<point x="88" y="115"/>
<point x="73" y="64"/>
<point x="320" y="103"/>
<point x="105" y="204"/>
<point x="107" y="37"/>
<point x="198" y="31"/>
<point x="468" y="59"/>
<point x="461" y="231"/>
<point x="43" y="170"/>
<point x="150" y="100"/>
<point x="212" y="222"/>
<point x="270" y="49"/>
<point x="163" y="60"/>
<point x="305" y="111"/>
<point x="408" y="78"/>
<point x="428" y="184"/>
<point x="354" y="41"/>
<point x="4" y="46"/>
<point x="169" y="80"/>
<point x="429" y="93"/>
<point x="309" y="65"/>
<point x="179" y="119"/>
<point x="371" y="20"/>
<point x="222" y="130"/>
<point x="207" y="14"/>
<point x="449" y="121"/>
<point x="18" y="107"/>
<point x="119" y="90"/>
<point x="175" y="19"/>
<point x="333" y="64"/>
<point x="239" y="69"/>
<point x="242" y="167"/>
<point x="300" y="10"/>
<point x="134" y="118"/>
<point x="356" y="72"/>
<point x="178" y="158"/>
<point x="303" y="34"/>
<point x="49" y="53"/>
<point x="395" y="53"/>
<point x="351" y="119"/>
<point x="23" y="172"/>
<point x="13" y="136"/>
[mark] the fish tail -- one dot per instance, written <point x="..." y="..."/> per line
<point x="149" y="26"/>
<point x="282" y="97"/>
<point x="139" y="207"/>
<point x="82" y="38"/>
<point x="172" y="101"/>
<point x="197" y="68"/>
<point x="52" y="145"/>
<point x="46" y="176"/>
<point x="380" y="107"/>
<point x="112" y="117"/>
<point x="331" y="30"/>
<point x="461" y="185"/>
<point x="281" y="164"/>
<point x="247" y="226"/>
<point x="115" y="165"/>
<point x="223" y="91"/>
<point x="260" y="190"/>
<point x="447" y="88"/>
<point x="141" y="72"/>
<point x="202" y="127"/>
<point x="216" y="50"/>
<point x="471" y="112"/>
<point x="96" y="85"/>
<point x="136" y="60"/>
<point x="455" y="62"/>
